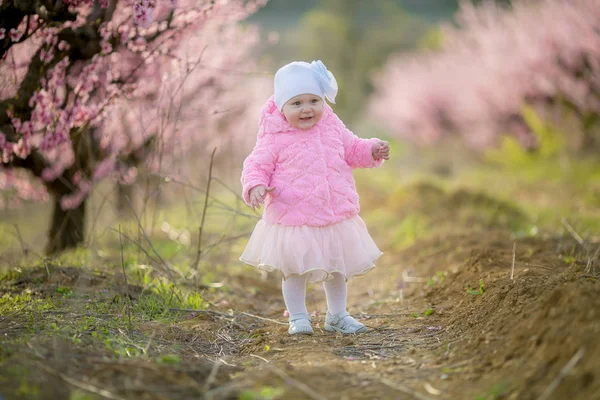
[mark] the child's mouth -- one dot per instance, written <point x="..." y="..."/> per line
<point x="305" y="118"/>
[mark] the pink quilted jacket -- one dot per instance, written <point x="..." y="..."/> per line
<point x="311" y="169"/>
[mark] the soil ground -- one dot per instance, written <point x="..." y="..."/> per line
<point x="447" y="322"/>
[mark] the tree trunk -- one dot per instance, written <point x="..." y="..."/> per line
<point x="67" y="229"/>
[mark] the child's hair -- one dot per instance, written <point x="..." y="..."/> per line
<point x="300" y="77"/>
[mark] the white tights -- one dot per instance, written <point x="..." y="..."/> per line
<point x="294" y="294"/>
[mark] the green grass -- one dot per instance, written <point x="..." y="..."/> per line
<point x="477" y="292"/>
<point x="23" y="303"/>
<point x="496" y="392"/>
<point x="263" y="393"/>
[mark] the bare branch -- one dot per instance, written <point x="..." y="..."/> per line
<point x="199" y="252"/>
<point x="125" y="277"/>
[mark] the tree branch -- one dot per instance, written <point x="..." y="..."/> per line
<point x="13" y="12"/>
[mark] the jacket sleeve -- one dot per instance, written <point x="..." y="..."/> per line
<point x="258" y="166"/>
<point x="357" y="151"/>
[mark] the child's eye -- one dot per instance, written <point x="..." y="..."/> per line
<point x="296" y="103"/>
<point x="315" y="101"/>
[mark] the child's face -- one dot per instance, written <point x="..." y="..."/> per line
<point x="304" y="110"/>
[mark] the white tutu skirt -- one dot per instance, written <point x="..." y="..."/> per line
<point x="345" y="247"/>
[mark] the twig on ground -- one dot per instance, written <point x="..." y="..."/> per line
<point x="46" y="265"/>
<point x="201" y="311"/>
<point x="231" y="317"/>
<point x="81" y="385"/>
<point x="147" y="347"/>
<point x="73" y="314"/>
<point x="263" y="318"/>
<point x="431" y="390"/>
<point x="572" y="231"/>
<point x="228" y="317"/>
<point x="221" y="389"/>
<point x="512" y="270"/>
<point x="299" y="385"/>
<point x="211" y="377"/>
<point x="592" y="261"/>
<point x="561" y="375"/>
<point x="260" y="358"/>
<point x="404" y="389"/>
<point x="200" y="229"/>
<point x="36" y="351"/>
<point x="590" y="276"/>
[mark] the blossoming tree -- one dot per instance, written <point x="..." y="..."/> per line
<point x="73" y="72"/>
<point x="544" y="54"/>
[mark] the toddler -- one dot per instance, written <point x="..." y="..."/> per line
<point x="301" y="169"/>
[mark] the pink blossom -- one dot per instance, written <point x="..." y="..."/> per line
<point x="497" y="61"/>
<point x="22" y="148"/>
<point x="16" y="122"/>
<point x="2" y="33"/>
<point x="7" y="152"/>
<point x="104" y="168"/>
<point x="46" y="55"/>
<point x="49" y="174"/>
<point x="106" y="31"/>
<point x="80" y="116"/>
<point x="33" y="22"/>
<point x="128" y="176"/>
<point x="50" y="37"/>
<point x="91" y="92"/>
<point x="78" y="3"/>
<point x="143" y="17"/>
<point x="76" y="177"/>
<point x="63" y="46"/>
<point x="74" y="200"/>
<point x="106" y="47"/>
<point x="36" y="98"/>
<point x="142" y="11"/>
<point x="26" y="129"/>
<point x="15" y="35"/>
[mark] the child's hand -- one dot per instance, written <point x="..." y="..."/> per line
<point x="381" y="150"/>
<point x="257" y="195"/>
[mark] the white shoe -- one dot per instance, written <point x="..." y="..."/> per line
<point x="300" y="324"/>
<point x="342" y="322"/>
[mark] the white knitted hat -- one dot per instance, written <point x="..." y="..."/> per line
<point x="300" y="77"/>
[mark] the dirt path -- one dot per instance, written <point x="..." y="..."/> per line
<point x="461" y="330"/>
<point x="506" y="339"/>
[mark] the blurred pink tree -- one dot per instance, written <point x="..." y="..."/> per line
<point x="544" y="54"/>
<point x="91" y="88"/>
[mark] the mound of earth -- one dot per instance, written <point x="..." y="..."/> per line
<point x="447" y="322"/>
